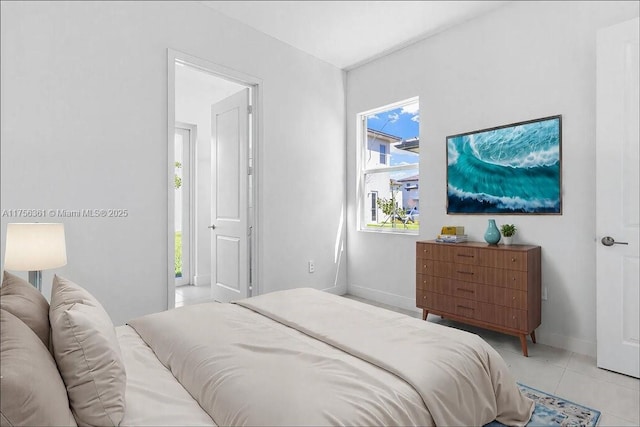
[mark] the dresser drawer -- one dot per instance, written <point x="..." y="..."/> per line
<point x="424" y="251"/>
<point x="424" y="266"/>
<point x="433" y="301"/>
<point x="489" y="294"/>
<point x="446" y="304"/>
<point x="512" y="260"/>
<point x="507" y="297"/>
<point x="478" y="274"/>
<point x="424" y="281"/>
<point x="506" y="317"/>
<point x="447" y="253"/>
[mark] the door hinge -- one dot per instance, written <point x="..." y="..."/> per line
<point x="250" y="109"/>
<point x="249" y="170"/>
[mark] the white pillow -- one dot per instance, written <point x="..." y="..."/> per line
<point x="21" y="299"/>
<point x="88" y="355"/>
<point x="31" y="390"/>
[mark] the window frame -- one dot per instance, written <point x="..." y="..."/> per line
<point x="362" y="172"/>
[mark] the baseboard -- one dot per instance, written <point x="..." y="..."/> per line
<point x="567" y="343"/>
<point x="383" y="297"/>
<point x="202" y="280"/>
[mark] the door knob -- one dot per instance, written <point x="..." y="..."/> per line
<point x="610" y="241"/>
<point x="213" y="227"/>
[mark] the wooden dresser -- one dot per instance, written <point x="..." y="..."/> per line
<point x="493" y="287"/>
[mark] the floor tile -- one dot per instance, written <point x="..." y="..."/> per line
<point x="608" y="420"/>
<point x="586" y="365"/>
<point x="190" y="294"/>
<point x="604" y="396"/>
<point x="534" y="373"/>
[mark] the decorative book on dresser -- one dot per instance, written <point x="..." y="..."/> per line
<point x="493" y="287"/>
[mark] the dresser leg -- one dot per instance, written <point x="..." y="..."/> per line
<point x="533" y="336"/>
<point x="425" y="313"/>
<point x="523" y="344"/>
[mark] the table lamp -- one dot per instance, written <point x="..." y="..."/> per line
<point x="34" y="247"/>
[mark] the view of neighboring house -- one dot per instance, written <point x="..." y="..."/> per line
<point x="378" y="155"/>
<point x="410" y="187"/>
<point x="384" y="185"/>
<point x="410" y="193"/>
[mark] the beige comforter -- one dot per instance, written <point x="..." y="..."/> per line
<point x="305" y="357"/>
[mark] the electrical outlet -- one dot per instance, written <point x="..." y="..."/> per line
<point x="312" y="267"/>
<point x="544" y="293"/>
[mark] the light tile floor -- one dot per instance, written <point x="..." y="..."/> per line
<point x="189" y="294"/>
<point x="569" y="375"/>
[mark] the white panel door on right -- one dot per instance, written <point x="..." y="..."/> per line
<point x="229" y="198"/>
<point x="617" y="199"/>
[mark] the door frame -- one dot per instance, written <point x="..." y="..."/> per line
<point x="193" y="138"/>
<point x="254" y="219"/>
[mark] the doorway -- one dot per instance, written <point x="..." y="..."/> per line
<point x="184" y="209"/>
<point x="195" y="86"/>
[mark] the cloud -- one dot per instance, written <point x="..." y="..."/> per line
<point x="416" y="118"/>
<point x="373" y="117"/>
<point x="412" y="109"/>
<point x="393" y="117"/>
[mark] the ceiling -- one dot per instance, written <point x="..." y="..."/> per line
<point x="350" y="33"/>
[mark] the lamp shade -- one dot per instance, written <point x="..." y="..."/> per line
<point x="35" y="246"/>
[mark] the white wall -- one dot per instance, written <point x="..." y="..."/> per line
<point x="196" y="92"/>
<point x="523" y="61"/>
<point x="84" y="125"/>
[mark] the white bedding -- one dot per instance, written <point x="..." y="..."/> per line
<point x="311" y="358"/>
<point x="153" y="396"/>
<point x="461" y="379"/>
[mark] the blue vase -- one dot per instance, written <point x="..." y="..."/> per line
<point x="492" y="235"/>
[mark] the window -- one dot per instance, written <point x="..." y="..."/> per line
<point x="389" y="144"/>
<point x="374" y="206"/>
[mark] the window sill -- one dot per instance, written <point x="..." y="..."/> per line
<point x="396" y="231"/>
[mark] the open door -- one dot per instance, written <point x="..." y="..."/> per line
<point x="617" y="200"/>
<point x="230" y="228"/>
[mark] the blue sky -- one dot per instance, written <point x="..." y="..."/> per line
<point x="403" y="122"/>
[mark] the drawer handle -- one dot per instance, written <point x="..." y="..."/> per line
<point x="466" y="290"/>
<point x="462" y="306"/>
<point x="465" y="256"/>
<point x="513" y="260"/>
<point x="465" y="272"/>
<point x="513" y="298"/>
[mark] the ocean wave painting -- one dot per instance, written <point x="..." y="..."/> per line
<point x="513" y="169"/>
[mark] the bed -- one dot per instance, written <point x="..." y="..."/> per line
<point x="296" y="357"/>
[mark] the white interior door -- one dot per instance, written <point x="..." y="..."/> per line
<point x="230" y="228"/>
<point x="617" y="200"/>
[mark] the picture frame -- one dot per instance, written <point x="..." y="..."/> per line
<point x="514" y="169"/>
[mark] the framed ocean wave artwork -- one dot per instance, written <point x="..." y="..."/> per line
<point x="510" y="169"/>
